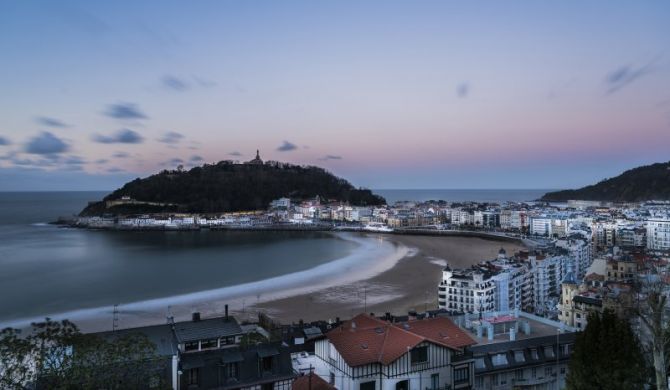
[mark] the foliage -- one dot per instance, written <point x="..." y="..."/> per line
<point x="55" y="355"/>
<point x="227" y="186"/>
<point x="607" y="355"/>
<point x="649" y="182"/>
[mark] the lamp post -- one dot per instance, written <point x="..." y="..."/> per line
<point x="558" y="353"/>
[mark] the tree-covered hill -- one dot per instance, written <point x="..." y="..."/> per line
<point x="228" y="186"/>
<point x="649" y="182"/>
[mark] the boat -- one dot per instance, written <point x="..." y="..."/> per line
<point x="377" y="227"/>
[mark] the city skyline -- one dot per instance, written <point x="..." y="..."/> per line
<point x="384" y="94"/>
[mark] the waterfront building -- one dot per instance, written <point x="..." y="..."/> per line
<point x="469" y="290"/>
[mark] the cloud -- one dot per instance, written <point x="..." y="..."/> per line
<point x="125" y="111"/>
<point x="625" y="75"/>
<point x="120" y="155"/>
<point x="101" y="161"/>
<point x="114" y="170"/>
<point x="235" y="153"/>
<point x="174" y="161"/>
<point x="174" y="83"/>
<point x="171" y="137"/>
<point x="286" y="147"/>
<point x="47" y="144"/>
<point x="51" y="122"/>
<point x="4" y="141"/>
<point x="74" y="160"/>
<point x="330" y="157"/>
<point x="463" y="90"/>
<point x="123" y="136"/>
<point x="196" y="158"/>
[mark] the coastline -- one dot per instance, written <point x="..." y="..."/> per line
<point x="398" y="273"/>
<point x="410" y="285"/>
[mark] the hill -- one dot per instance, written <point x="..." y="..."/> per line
<point x="228" y="186"/>
<point x="649" y="182"/>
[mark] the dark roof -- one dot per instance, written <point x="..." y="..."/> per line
<point x="210" y="328"/>
<point x="161" y="335"/>
<point x="518" y="353"/>
<point x="247" y="361"/>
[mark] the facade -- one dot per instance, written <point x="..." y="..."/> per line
<point x="367" y="353"/>
<point x="532" y="363"/>
<point x="658" y="234"/>
<point x="470" y="290"/>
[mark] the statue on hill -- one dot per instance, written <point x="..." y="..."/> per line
<point x="257" y="160"/>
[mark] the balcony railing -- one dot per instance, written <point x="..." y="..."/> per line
<point x="445" y="387"/>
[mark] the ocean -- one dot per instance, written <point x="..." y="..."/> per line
<point x="46" y="270"/>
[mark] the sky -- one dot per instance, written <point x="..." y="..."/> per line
<point x="387" y="94"/>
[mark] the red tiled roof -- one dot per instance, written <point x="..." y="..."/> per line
<point x="441" y="330"/>
<point x="311" y="381"/>
<point x="366" y="340"/>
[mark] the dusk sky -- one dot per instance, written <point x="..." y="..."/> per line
<point x="385" y="94"/>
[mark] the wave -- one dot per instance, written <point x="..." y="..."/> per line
<point x="373" y="255"/>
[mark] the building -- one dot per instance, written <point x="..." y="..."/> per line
<point x="367" y="353"/>
<point x="517" y="350"/>
<point x="658" y="234"/>
<point x="470" y="290"/>
<point x="258" y="367"/>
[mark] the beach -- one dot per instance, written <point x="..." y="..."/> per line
<point x="409" y="285"/>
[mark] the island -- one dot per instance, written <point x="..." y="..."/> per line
<point x="228" y="186"/>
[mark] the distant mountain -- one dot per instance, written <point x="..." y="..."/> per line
<point x="228" y="186"/>
<point x="649" y="182"/>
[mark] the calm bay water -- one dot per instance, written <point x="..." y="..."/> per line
<point x="45" y="269"/>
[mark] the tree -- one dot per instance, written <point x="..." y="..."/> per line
<point x="607" y="355"/>
<point x="55" y="355"/>
<point x="654" y="318"/>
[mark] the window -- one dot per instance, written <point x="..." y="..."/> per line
<point x="268" y="386"/>
<point x="499" y="359"/>
<point x="266" y="364"/>
<point x="548" y="352"/>
<point x="191" y="346"/>
<point x="211" y="343"/>
<point x="419" y="355"/>
<point x="193" y="376"/>
<point x="331" y="379"/>
<point x="461" y="375"/>
<point x="368" y="385"/>
<point x="479" y="382"/>
<point x="402" y="385"/>
<point x="231" y="370"/>
<point x="533" y="354"/>
<point x="534" y="372"/>
<point x="479" y="363"/>
<point x="518" y="357"/>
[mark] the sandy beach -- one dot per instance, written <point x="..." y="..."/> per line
<point x="410" y="285"/>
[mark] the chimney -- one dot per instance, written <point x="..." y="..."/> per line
<point x="226" y="312"/>
<point x="196" y="316"/>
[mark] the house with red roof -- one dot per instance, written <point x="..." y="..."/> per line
<point x="368" y="353"/>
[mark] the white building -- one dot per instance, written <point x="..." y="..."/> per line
<point x="658" y="234"/>
<point x="367" y="353"/>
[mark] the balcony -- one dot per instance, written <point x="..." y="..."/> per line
<point x="445" y="387"/>
<point x="466" y="355"/>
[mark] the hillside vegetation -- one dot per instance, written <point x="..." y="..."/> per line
<point x="227" y="186"/>
<point x="649" y="182"/>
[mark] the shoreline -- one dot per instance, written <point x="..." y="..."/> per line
<point x="402" y="273"/>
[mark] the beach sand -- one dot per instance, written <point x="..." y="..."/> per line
<point x="410" y="285"/>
